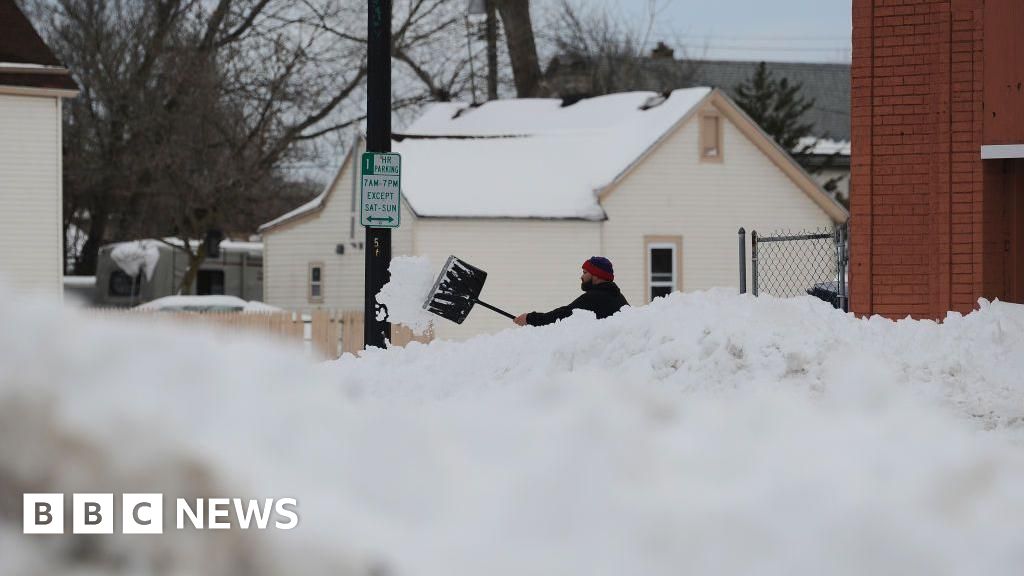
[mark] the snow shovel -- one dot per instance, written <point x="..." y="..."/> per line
<point x="456" y="291"/>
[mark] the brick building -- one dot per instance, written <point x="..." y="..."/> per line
<point x="938" y="155"/>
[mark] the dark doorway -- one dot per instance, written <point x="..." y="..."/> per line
<point x="210" y="282"/>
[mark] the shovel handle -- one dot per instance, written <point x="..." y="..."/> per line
<point x="496" y="309"/>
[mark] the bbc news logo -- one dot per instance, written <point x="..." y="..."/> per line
<point x="144" y="513"/>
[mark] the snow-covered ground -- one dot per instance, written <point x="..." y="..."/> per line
<point x="707" y="433"/>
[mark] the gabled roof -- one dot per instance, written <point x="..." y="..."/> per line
<point x="535" y="158"/>
<point x="25" y="60"/>
<point x="524" y="158"/>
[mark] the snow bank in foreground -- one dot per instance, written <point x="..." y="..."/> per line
<point x="412" y="278"/>
<point x="704" y="434"/>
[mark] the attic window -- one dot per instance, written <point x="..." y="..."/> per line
<point x="710" y="138"/>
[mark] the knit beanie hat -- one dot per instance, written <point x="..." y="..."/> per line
<point x="600" y="267"/>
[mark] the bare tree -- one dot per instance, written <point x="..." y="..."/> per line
<point x="192" y="111"/>
<point x="522" y="48"/>
<point x="597" y="52"/>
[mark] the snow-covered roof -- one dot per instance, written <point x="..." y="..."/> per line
<point x="80" y="281"/>
<point x="531" y="158"/>
<point x="823" y="146"/>
<point x="31" y="66"/>
<point x="525" y="158"/>
<point x="253" y="248"/>
<point x="226" y="245"/>
<point x="523" y="177"/>
<point x="206" y="303"/>
<point x="643" y="114"/>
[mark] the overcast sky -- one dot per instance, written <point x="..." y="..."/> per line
<point x="777" y="30"/>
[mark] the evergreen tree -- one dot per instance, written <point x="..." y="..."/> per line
<point x="776" y="105"/>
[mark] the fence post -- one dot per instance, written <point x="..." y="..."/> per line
<point x="743" y="260"/>
<point x="843" y="257"/>
<point x="753" y="260"/>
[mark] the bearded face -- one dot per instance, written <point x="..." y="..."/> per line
<point x="586" y="281"/>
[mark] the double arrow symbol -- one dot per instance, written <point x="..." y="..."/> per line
<point x="389" y="219"/>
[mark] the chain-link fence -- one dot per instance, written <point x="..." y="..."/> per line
<point x="792" y="264"/>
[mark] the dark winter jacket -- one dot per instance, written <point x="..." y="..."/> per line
<point x="602" y="299"/>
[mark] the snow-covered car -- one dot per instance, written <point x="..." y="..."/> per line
<point x="217" y="303"/>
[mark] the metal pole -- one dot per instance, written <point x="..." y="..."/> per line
<point x="492" y="50"/>
<point x="472" y="71"/>
<point x="378" y="139"/>
<point x="743" y="260"/>
<point x="753" y="259"/>
<point x="843" y="254"/>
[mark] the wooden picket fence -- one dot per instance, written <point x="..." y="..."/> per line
<point x="330" y="333"/>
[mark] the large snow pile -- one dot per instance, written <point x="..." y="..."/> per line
<point x="704" y="434"/>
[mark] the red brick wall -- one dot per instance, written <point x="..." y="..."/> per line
<point x="1004" y="72"/>
<point x="917" y="187"/>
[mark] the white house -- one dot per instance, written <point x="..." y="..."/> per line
<point x="528" y="189"/>
<point x="32" y="83"/>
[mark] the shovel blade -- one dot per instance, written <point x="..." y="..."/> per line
<point x="455" y="292"/>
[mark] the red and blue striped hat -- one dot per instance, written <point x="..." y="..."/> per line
<point x="600" y="267"/>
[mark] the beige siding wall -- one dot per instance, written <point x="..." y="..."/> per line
<point x="530" y="264"/>
<point x="290" y="249"/>
<point x="31" y="253"/>
<point x="673" y="193"/>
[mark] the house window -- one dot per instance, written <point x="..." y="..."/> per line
<point x="664" y="271"/>
<point x="210" y="282"/>
<point x="710" y="138"/>
<point x="316" y="286"/>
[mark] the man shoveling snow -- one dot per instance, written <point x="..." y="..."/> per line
<point x="458" y="287"/>
<point x="600" y="295"/>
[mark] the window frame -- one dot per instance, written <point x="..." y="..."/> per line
<point x="319" y="284"/>
<point x="720" y="157"/>
<point x="653" y="242"/>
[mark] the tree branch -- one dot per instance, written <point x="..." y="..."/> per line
<point x="247" y="23"/>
